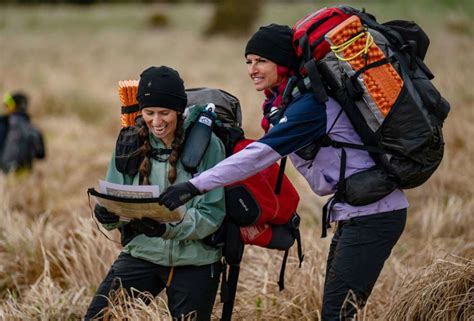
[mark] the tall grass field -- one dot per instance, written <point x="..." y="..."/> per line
<point x="70" y="59"/>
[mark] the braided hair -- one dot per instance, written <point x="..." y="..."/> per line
<point x="145" y="166"/>
<point x="176" y="148"/>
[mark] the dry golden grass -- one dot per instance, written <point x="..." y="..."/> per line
<point x="441" y="291"/>
<point x="52" y="256"/>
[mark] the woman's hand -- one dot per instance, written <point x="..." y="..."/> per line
<point x="104" y="216"/>
<point x="178" y="194"/>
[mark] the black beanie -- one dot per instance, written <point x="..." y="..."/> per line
<point x="161" y="87"/>
<point x="273" y="42"/>
<point x="21" y="101"/>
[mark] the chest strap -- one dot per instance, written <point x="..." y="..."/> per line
<point x="160" y="154"/>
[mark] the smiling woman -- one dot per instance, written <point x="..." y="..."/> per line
<point x="293" y="129"/>
<point x="156" y="255"/>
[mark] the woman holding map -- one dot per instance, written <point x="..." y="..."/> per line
<point x="171" y="256"/>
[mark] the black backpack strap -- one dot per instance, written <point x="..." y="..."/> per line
<point x="233" y="252"/>
<point x="281" y="172"/>
<point x="228" y="290"/>
<point x="316" y="81"/>
<point x="130" y="109"/>
<point x="309" y="64"/>
<point x="338" y="197"/>
<point x="281" y="280"/>
<point x="375" y="64"/>
<point x="336" y="144"/>
<point x="295" y="223"/>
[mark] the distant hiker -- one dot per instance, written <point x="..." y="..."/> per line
<point x="160" y="256"/>
<point x="364" y="235"/>
<point x="20" y="141"/>
<point x="3" y="127"/>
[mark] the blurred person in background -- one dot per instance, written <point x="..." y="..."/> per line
<point x="364" y="235"/>
<point x="3" y="127"/>
<point x="159" y="256"/>
<point x="20" y="141"/>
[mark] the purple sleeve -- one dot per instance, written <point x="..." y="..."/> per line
<point x="249" y="161"/>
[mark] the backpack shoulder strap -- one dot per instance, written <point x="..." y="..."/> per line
<point x="127" y="158"/>
<point x="316" y="81"/>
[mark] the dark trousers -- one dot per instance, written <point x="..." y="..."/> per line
<point x="357" y="254"/>
<point x="192" y="289"/>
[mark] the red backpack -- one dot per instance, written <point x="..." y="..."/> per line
<point x="273" y="208"/>
<point x="311" y="29"/>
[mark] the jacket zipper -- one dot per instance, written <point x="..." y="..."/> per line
<point x="165" y="185"/>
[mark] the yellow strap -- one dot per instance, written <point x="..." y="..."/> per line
<point x="340" y="48"/>
<point x="343" y="46"/>
<point x="170" y="277"/>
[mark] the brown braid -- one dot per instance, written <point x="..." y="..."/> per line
<point x="176" y="149"/>
<point x="145" y="166"/>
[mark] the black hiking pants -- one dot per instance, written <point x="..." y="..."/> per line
<point x="191" y="290"/>
<point x="357" y="254"/>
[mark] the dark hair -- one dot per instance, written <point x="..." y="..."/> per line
<point x="176" y="148"/>
<point x="21" y="101"/>
<point x="146" y="149"/>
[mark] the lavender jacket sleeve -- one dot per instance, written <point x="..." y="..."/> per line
<point x="304" y="122"/>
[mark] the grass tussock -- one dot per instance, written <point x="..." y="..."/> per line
<point x="52" y="256"/>
<point x="258" y="295"/>
<point x="44" y="300"/>
<point x="137" y="306"/>
<point x="442" y="291"/>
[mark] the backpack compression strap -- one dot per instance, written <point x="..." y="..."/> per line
<point x="295" y="223"/>
<point x="228" y="290"/>
<point x="339" y="196"/>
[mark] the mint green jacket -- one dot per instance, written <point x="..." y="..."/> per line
<point x="181" y="244"/>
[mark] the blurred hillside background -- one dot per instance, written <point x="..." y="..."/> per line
<point x="69" y="56"/>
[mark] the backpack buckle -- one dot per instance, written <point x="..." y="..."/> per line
<point x="295" y="221"/>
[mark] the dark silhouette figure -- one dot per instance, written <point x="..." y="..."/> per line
<point x="20" y="141"/>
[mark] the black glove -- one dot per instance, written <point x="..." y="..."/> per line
<point x="104" y="216"/>
<point x="148" y="226"/>
<point x="178" y="194"/>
